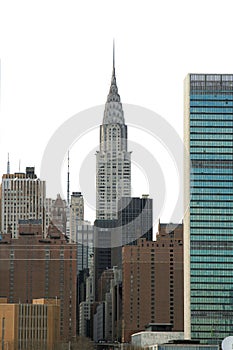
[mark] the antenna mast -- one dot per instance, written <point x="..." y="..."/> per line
<point x="68" y="180"/>
<point x="8" y="165"/>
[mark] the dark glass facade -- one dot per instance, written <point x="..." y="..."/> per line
<point x="135" y="220"/>
<point x="210" y="143"/>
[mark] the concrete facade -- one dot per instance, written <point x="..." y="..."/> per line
<point x="76" y="216"/>
<point x="22" y="198"/>
<point x="145" y="339"/>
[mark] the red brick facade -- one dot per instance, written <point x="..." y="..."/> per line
<point x="153" y="282"/>
<point x="32" y="267"/>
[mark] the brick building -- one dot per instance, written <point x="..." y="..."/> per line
<point x="33" y="267"/>
<point x="152" y="284"/>
<point x="169" y="280"/>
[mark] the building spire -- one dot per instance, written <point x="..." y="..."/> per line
<point x="113" y="86"/>
<point x="113" y="113"/>
<point x="113" y="55"/>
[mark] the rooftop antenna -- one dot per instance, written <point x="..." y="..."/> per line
<point x="68" y="181"/>
<point x="19" y="166"/>
<point x="8" y="165"/>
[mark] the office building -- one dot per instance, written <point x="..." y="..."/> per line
<point x="85" y="318"/>
<point x="33" y="267"/>
<point x="85" y="268"/>
<point x="85" y="299"/>
<point x="152" y="282"/>
<point x="76" y="216"/>
<point x="85" y="241"/>
<point x="30" y="326"/>
<point x="104" y="231"/>
<point x="22" y="197"/>
<point x="113" y="161"/>
<point x="208" y="224"/>
<point x="113" y="307"/>
<point x="99" y="322"/>
<point x="135" y="220"/>
<point x="58" y="213"/>
<point x="169" y="276"/>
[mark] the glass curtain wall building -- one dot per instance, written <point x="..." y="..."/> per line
<point x="208" y="223"/>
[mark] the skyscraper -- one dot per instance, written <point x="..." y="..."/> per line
<point x="113" y="161"/>
<point x="135" y="220"/>
<point x="76" y="214"/>
<point x="208" y="224"/>
<point x="22" y="198"/>
<point x="135" y="217"/>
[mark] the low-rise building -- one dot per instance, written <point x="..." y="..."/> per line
<point x="30" y="326"/>
<point x="152" y="338"/>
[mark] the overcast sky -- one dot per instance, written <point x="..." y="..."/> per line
<point x="56" y="61"/>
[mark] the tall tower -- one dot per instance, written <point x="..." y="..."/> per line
<point x="76" y="214"/>
<point x="113" y="161"/>
<point x="208" y="224"/>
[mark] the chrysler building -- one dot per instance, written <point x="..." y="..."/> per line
<point x="113" y="161"/>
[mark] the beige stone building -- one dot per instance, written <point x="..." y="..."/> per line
<point x="22" y="198"/>
<point x="30" y="326"/>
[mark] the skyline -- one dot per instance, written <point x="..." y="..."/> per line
<point x="48" y="84"/>
<point x="166" y="127"/>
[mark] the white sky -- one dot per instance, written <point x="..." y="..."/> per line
<point x="56" y="60"/>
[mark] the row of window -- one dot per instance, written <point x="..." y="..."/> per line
<point x="206" y="156"/>
<point x="195" y="218"/>
<point x="210" y="293"/>
<point x="216" y="95"/>
<point x="225" y="107"/>
<point x="203" y="270"/>
<point x="206" y="197"/>
<point x="211" y="77"/>
<point x="213" y="237"/>
<point x="212" y="177"/>
<point x="212" y="184"/>
<point x="204" y="149"/>
<point x="212" y="279"/>
<point x="217" y="135"/>
<point x="208" y="211"/>
<point x="214" y="224"/>
<point x="211" y="191"/>
<point x="211" y="288"/>
<point x="209" y="143"/>
<point x="211" y="103"/>
<point x="224" y="301"/>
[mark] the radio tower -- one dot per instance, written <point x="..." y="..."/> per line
<point x="68" y="181"/>
<point x="68" y="199"/>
